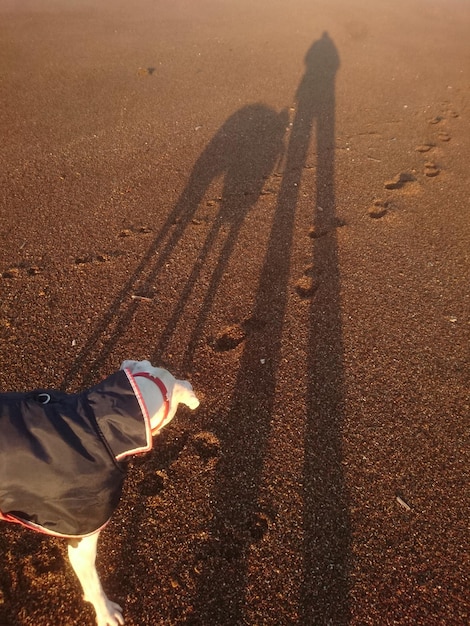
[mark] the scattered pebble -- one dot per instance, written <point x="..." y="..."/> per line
<point x="141" y="298"/>
<point x="125" y="232"/>
<point x="444" y="136"/>
<point x="436" y="120"/>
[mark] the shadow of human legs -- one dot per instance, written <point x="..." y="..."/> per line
<point x="244" y="433"/>
<point x="245" y="430"/>
<point x="243" y="152"/>
<point x="326" y="522"/>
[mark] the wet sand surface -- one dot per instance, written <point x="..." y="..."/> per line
<point x="284" y="187"/>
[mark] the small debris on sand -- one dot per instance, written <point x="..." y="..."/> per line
<point x="403" y="504"/>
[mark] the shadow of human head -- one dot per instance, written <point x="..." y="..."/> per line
<point x="322" y="57"/>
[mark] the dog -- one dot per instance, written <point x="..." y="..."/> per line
<point x="62" y="459"/>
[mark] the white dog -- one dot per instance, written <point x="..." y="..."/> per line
<point x="61" y="459"/>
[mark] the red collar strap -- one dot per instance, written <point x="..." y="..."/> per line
<point x="164" y="392"/>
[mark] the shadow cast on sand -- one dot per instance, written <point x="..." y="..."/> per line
<point x="244" y="152"/>
<point x="245" y="432"/>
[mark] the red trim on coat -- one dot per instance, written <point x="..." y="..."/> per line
<point x="164" y="392"/>
<point x="6" y="517"/>
<point x="145" y="415"/>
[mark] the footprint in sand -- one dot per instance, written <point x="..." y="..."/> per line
<point x="307" y="285"/>
<point x="207" y="445"/>
<point x="134" y="230"/>
<point x="425" y="147"/>
<point x="315" y="232"/>
<point x="431" y="169"/>
<point x="258" y="526"/>
<point x="443" y="136"/>
<point x="15" y="272"/>
<point x="229" y="338"/>
<point x="154" y="484"/>
<point x="378" y="209"/>
<point x="399" y="180"/>
<point x="102" y="257"/>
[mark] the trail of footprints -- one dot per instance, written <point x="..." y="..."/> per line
<point x="23" y="269"/>
<point x="307" y="285"/>
<point x="431" y="169"/>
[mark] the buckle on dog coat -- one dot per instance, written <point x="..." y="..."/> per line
<point x="163" y="391"/>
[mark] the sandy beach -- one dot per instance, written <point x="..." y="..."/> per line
<point x="270" y="199"/>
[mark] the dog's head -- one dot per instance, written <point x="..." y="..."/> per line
<point x="179" y="392"/>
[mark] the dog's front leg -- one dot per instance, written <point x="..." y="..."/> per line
<point x="82" y="555"/>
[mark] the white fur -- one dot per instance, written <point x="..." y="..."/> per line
<point x="82" y="552"/>
<point x="179" y="391"/>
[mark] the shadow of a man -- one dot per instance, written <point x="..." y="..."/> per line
<point x="324" y="597"/>
<point x="245" y="431"/>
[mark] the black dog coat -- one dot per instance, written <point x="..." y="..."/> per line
<point x="61" y="469"/>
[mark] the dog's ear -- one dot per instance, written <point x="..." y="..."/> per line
<point x="128" y="365"/>
<point x="136" y="366"/>
<point x="183" y="392"/>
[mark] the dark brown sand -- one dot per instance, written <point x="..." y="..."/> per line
<point x="286" y="185"/>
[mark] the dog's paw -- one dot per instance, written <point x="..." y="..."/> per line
<point x="110" y="615"/>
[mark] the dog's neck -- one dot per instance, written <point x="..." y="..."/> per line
<point x="166" y="401"/>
